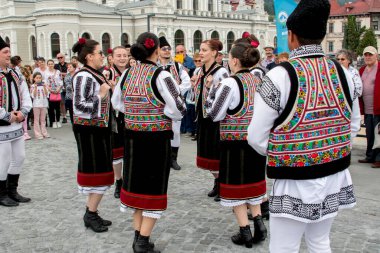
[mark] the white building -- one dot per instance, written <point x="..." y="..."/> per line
<point x="58" y="24"/>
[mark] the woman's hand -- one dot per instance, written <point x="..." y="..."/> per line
<point x="104" y="88"/>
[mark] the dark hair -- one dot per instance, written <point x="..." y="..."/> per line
<point x="116" y="48"/>
<point x="15" y="60"/>
<point x="214" y="44"/>
<point x="246" y="53"/>
<point x="50" y="60"/>
<point x="74" y="57"/>
<point x="36" y="74"/>
<point x="140" y="51"/>
<point x="41" y="59"/>
<point x="128" y="46"/>
<point x="72" y="64"/>
<point x="248" y="39"/>
<point x="84" y="47"/>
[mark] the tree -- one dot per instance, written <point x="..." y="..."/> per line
<point x="369" y="39"/>
<point x="352" y="34"/>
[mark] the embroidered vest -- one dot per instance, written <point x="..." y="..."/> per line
<point x="4" y="90"/>
<point x="174" y="70"/>
<point x="311" y="139"/>
<point x="200" y="90"/>
<point x="115" y="75"/>
<point x="234" y="126"/>
<point x="144" y="107"/>
<point x="103" y="120"/>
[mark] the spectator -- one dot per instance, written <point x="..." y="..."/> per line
<point x="41" y="67"/>
<point x="131" y="62"/>
<point x="74" y="61"/>
<point x="54" y="83"/>
<point x="370" y="74"/>
<point x="128" y="47"/>
<point x="270" y="57"/>
<point x="188" y="62"/>
<point x="68" y="85"/>
<point x="39" y="93"/>
<point x="62" y="67"/>
<point x="283" y="57"/>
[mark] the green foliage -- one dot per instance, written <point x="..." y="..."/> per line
<point x="352" y="34"/>
<point x="369" y="39"/>
<point x="269" y="7"/>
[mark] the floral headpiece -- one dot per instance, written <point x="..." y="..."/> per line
<point x="149" y="43"/>
<point x="82" y="41"/>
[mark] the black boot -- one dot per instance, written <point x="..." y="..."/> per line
<point x="137" y="234"/>
<point x="104" y="222"/>
<point x="12" y="184"/>
<point x="244" y="236"/>
<point x="118" y="185"/>
<point x="93" y="221"/>
<point x="260" y="230"/>
<point x="214" y="190"/>
<point x="174" y="163"/>
<point x="5" y="200"/>
<point x="142" y="245"/>
<point x="265" y="209"/>
<point x="217" y="197"/>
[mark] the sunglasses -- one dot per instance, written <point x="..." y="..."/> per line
<point x="197" y="60"/>
<point x="179" y="52"/>
<point x="341" y="59"/>
<point x="61" y="57"/>
<point x="166" y="49"/>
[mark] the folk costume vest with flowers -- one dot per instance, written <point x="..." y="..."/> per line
<point x="115" y="74"/>
<point x="105" y="107"/>
<point x="5" y="90"/>
<point x="144" y="107"/>
<point x="311" y="138"/>
<point x="201" y="90"/>
<point x="234" y="126"/>
<point x="174" y="70"/>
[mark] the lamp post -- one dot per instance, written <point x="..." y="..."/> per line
<point x="148" y="20"/>
<point x="35" y="34"/>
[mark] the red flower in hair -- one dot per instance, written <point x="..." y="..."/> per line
<point x="109" y="51"/>
<point x="149" y="43"/>
<point x="82" y="41"/>
<point x="246" y="35"/>
<point x="255" y="44"/>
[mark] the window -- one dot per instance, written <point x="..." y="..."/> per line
<point x="344" y="27"/>
<point x="33" y="46"/>
<point x="358" y="24"/>
<point x="124" y="39"/>
<point x="375" y="25"/>
<point x="331" y="46"/>
<point x="195" y="6"/>
<point x="106" y="42"/>
<point x="215" y="35"/>
<point x="197" y="40"/>
<point x="86" y="36"/>
<point x="55" y="47"/>
<point x="331" y="27"/>
<point x="7" y="40"/>
<point x="230" y="40"/>
<point x="179" y="4"/>
<point x="104" y="1"/>
<point x="210" y="5"/>
<point x="179" y="38"/>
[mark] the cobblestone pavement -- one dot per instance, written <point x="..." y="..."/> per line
<point x="52" y="222"/>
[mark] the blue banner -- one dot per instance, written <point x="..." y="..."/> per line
<point x="282" y="10"/>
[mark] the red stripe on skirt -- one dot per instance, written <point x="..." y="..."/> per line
<point x="117" y="153"/>
<point x="144" y="201"/>
<point x="243" y="191"/>
<point x="208" y="164"/>
<point x="95" y="179"/>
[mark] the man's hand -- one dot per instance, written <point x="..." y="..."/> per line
<point x="19" y="116"/>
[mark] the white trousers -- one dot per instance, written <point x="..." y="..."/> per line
<point x="176" y="127"/>
<point x="286" y="235"/>
<point x="12" y="156"/>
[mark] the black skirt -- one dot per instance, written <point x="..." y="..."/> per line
<point x="242" y="171"/>
<point x="118" y="138"/>
<point x="146" y="169"/>
<point x="208" y="144"/>
<point x="95" y="156"/>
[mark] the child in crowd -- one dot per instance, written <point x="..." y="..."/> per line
<point x="39" y="93"/>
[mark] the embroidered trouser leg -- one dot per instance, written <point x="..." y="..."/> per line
<point x="12" y="156"/>
<point x="286" y="235"/>
<point x="176" y="126"/>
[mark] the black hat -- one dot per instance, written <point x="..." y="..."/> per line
<point x="309" y="19"/>
<point x="163" y="42"/>
<point x="3" y="44"/>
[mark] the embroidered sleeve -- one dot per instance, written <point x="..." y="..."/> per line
<point x="5" y="116"/>
<point x="26" y="101"/>
<point x="219" y="103"/>
<point x="171" y="86"/>
<point x="85" y="101"/>
<point x="269" y="93"/>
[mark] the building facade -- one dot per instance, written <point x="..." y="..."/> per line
<point x="46" y="27"/>
<point x="367" y="13"/>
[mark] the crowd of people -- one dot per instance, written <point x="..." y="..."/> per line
<point x="291" y="117"/>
